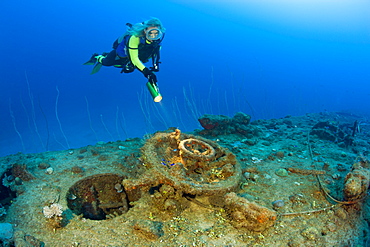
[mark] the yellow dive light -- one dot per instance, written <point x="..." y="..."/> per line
<point x="154" y="91"/>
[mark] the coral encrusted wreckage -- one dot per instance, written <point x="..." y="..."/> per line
<point x="294" y="181"/>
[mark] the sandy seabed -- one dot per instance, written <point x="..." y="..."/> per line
<point x="281" y="161"/>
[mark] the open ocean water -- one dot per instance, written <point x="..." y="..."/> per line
<point x="268" y="59"/>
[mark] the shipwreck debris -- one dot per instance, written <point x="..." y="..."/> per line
<point x="190" y="164"/>
<point x="98" y="196"/>
<point x="357" y="182"/>
<point x="249" y="215"/>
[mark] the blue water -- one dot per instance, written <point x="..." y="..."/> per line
<point x="268" y="59"/>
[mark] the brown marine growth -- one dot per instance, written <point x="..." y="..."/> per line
<point x="306" y="171"/>
<point x="357" y="182"/>
<point x="98" y="196"/>
<point x="20" y="171"/>
<point x="249" y="215"/>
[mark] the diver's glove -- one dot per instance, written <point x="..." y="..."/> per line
<point x="150" y="75"/>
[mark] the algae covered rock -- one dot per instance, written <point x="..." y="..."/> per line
<point x="241" y="118"/>
<point x="220" y="125"/>
<point x="249" y="215"/>
<point x="357" y="182"/>
<point x="210" y="122"/>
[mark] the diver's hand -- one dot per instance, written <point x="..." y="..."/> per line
<point x="150" y="75"/>
<point x="147" y="72"/>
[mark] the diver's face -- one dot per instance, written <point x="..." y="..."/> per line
<point x="153" y="33"/>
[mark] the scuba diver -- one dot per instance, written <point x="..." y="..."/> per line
<point x="141" y="42"/>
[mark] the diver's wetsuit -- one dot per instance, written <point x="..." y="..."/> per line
<point x="111" y="59"/>
<point x="139" y="50"/>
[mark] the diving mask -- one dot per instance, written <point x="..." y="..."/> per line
<point x="153" y="34"/>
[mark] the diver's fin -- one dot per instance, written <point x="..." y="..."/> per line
<point x="92" y="60"/>
<point x="89" y="63"/>
<point x="96" y="68"/>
